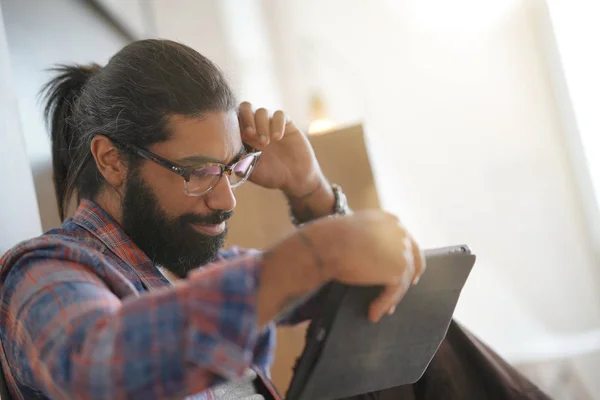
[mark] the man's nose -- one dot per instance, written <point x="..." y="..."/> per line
<point x="221" y="197"/>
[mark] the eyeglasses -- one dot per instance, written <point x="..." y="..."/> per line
<point x="201" y="179"/>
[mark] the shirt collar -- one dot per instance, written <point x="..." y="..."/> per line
<point x="99" y="223"/>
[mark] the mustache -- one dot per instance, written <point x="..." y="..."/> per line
<point x="211" y="219"/>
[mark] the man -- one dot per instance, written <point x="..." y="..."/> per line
<point x="133" y="297"/>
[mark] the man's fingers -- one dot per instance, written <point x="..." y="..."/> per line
<point x="258" y="127"/>
<point x="377" y="307"/>
<point x="410" y="270"/>
<point x="277" y="125"/>
<point x="246" y="118"/>
<point x="419" y="260"/>
<point x="262" y="123"/>
<point x="387" y="300"/>
<point x="390" y="296"/>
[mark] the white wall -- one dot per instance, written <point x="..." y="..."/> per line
<point x="135" y="16"/>
<point x="467" y="146"/>
<point x="40" y="34"/>
<point x="569" y="33"/>
<point x="198" y="24"/>
<point x="230" y="33"/>
<point x="19" y="219"/>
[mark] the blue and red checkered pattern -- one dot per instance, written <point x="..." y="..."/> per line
<point x="85" y="314"/>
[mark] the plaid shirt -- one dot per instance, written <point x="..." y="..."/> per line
<point x="87" y="315"/>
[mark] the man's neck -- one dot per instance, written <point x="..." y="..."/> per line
<point x="110" y="202"/>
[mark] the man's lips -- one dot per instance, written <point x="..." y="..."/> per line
<point x="210" y="229"/>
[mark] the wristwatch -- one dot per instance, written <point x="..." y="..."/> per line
<point x="340" y="206"/>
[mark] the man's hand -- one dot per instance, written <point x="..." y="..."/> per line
<point x="370" y="248"/>
<point x="288" y="161"/>
<point x="367" y="248"/>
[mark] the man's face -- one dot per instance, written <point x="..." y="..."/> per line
<point x="177" y="231"/>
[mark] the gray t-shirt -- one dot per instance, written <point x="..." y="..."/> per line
<point x="238" y="390"/>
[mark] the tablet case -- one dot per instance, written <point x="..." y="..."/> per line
<point x="347" y="355"/>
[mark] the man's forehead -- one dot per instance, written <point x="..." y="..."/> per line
<point x="219" y="123"/>
<point x="214" y="136"/>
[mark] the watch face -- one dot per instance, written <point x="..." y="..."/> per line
<point x="341" y="202"/>
<point x="340" y="207"/>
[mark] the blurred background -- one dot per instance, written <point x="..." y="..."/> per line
<point x="479" y="119"/>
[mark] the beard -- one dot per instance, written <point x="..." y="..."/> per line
<point x="171" y="243"/>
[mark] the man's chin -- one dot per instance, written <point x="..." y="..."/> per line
<point x="171" y="243"/>
<point x="196" y="248"/>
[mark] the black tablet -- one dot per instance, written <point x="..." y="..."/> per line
<point x="347" y="355"/>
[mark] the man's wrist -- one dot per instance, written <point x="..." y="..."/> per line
<point x="318" y="202"/>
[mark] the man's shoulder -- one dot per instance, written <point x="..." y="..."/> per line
<point x="235" y="251"/>
<point x="57" y="244"/>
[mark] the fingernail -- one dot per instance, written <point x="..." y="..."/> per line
<point x="392" y="310"/>
<point x="373" y="318"/>
<point x="263" y="139"/>
<point x="416" y="280"/>
<point x="250" y="130"/>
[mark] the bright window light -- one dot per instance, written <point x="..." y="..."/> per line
<point x="460" y="16"/>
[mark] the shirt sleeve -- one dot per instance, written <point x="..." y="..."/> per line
<point x="71" y="337"/>
<point x="305" y="310"/>
<point x="264" y="349"/>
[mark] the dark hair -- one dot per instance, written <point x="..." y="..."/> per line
<point x="128" y="101"/>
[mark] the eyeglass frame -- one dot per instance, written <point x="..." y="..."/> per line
<point x="186" y="172"/>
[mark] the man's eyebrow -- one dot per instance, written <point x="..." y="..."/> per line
<point x="199" y="160"/>
<point x="240" y="153"/>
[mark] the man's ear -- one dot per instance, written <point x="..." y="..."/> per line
<point x="108" y="160"/>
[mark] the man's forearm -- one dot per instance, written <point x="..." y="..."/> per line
<point x="291" y="272"/>
<point x="317" y="203"/>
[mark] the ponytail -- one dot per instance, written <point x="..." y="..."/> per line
<point x="61" y="95"/>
